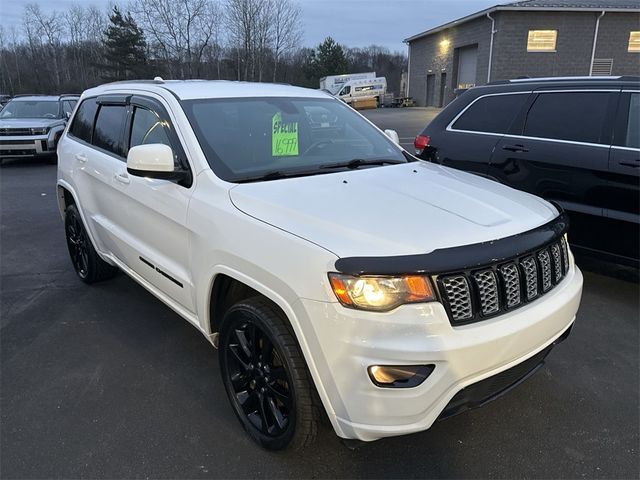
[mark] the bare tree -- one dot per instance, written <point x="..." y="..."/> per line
<point x="287" y="33"/>
<point x="180" y="30"/>
<point x="42" y="29"/>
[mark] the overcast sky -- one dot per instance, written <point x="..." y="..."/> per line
<point x="355" y="23"/>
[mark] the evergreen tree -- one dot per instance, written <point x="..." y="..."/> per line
<point x="328" y="59"/>
<point x="125" y="47"/>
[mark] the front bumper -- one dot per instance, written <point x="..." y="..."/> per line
<point x="26" y="146"/>
<point x="348" y="341"/>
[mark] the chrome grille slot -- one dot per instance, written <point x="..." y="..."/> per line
<point x="565" y="255"/>
<point x="511" y="281"/>
<point x="487" y="291"/>
<point x="557" y="262"/>
<point x="473" y="295"/>
<point x="458" y="295"/>
<point x="545" y="269"/>
<point x="530" y="269"/>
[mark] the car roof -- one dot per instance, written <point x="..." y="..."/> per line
<point x="196" y="89"/>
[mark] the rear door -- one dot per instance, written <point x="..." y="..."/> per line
<point x="560" y="151"/>
<point x="471" y="136"/>
<point x="623" y="207"/>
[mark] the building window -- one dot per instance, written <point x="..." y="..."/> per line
<point x="634" y="42"/>
<point x="542" y="40"/>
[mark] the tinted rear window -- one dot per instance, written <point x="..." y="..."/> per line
<point x="109" y="126"/>
<point x="82" y="125"/>
<point x="493" y="114"/>
<point x="575" y="116"/>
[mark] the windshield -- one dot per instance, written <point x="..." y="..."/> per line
<point x="245" y="138"/>
<point x="31" y="109"/>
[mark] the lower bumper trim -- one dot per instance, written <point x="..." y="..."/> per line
<point x="492" y="388"/>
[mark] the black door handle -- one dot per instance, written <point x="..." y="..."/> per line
<point x="627" y="164"/>
<point x="515" y="148"/>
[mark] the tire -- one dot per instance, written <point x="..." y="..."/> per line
<point x="86" y="261"/>
<point x="266" y="377"/>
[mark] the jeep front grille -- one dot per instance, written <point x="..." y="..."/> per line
<point x="475" y="295"/>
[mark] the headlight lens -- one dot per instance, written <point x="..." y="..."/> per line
<point x="39" y="131"/>
<point x="380" y="293"/>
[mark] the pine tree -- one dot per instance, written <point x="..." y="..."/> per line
<point x="125" y="47"/>
<point x="328" y="59"/>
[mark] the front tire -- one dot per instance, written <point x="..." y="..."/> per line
<point x="86" y="261"/>
<point x="266" y="377"/>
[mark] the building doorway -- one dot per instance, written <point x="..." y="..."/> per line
<point x="431" y="91"/>
<point x="443" y="89"/>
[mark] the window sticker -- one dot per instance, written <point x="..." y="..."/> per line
<point x="284" y="137"/>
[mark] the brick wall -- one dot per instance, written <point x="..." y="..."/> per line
<point x="510" y="56"/>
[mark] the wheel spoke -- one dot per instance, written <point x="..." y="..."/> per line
<point x="240" y="380"/>
<point x="277" y="414"/>
<point x="267" y="349"/>
<point x="244" y="344"/>
<point x="285" y="399"/>
<point x="236" y="355"/>
<point x="263" y="413"/>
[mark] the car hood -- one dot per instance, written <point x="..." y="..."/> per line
<point x="29" y="122"/>
<point x="395" y="210"/>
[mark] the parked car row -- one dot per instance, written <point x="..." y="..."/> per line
<point x="334" y="271"/>
<point x="31" y="125"/>
<point x="573" y="141"/>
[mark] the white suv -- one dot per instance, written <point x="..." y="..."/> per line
<point x="333" y="270"/>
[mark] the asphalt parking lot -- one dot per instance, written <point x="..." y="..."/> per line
<point x="105" y="381"/>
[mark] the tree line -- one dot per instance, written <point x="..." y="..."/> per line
<point x="252" y="40"/>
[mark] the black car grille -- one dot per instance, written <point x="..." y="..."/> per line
<point x="14" y="131"/>
<point x="474" y="295"/>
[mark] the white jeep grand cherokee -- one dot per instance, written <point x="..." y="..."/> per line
<point x="332" y="269"/>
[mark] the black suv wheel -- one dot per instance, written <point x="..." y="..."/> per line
<point x="266" y="377"/>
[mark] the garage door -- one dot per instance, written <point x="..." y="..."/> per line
<point x="467" y="66"/>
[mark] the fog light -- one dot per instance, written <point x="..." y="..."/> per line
<point x="402" y="376"/>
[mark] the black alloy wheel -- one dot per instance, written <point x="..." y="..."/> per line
<point x="78" y="244"/>
<point x="265" y="376"/>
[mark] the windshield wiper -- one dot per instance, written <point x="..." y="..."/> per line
<point x="277" y="175"/>
<point x="359" y="162"/>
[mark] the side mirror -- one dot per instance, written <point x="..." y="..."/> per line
<point x="393" y="135"/>
<point x="154" y="160"/>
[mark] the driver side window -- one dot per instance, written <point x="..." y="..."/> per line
<point x="147" y="127"/>
<point x="346" y="90"/>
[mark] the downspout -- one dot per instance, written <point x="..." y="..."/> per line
<point x="493" y="32"/>
<point x="406" y="94"/>
<point x="595" y="41"/>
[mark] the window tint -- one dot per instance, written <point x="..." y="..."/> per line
<point x="491" y="114"/>
<point x="67" y="107"/>
<point x="576" y="116"/>
<point x="148" y="127"/>
<point x="108" y="132"/>
<point x="633" y="124"/>
<point x="82" y="125"/>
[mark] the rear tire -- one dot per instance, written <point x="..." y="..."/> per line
<point x="266" y="377"/>
<point x="86" y="261"/>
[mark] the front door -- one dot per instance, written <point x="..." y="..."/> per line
<point x="153" y="215"/>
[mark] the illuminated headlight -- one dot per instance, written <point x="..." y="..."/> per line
<point x="40" y="131"/>
<point x="380" y="293"/>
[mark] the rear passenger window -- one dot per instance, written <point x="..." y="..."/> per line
<point x="493" y="114"/>
<point x="633" y="124"/>
<point x="82" y="125"/>
<point x="109" y="127"/>
<point x="148" y="127"/>
<point x="575" y="116"/>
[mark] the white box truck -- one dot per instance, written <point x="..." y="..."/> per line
<point x="363" y="89"/>
<point x="333" y="83"/>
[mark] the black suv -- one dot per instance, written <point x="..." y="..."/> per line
<point x="575" y="141"/>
